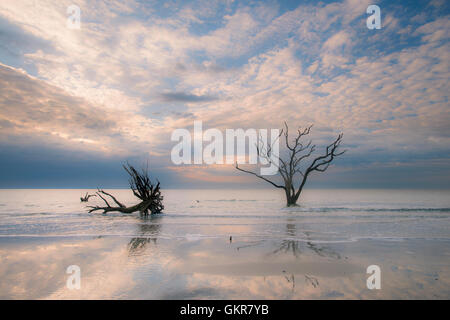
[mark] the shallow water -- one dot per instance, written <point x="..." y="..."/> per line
<point x="318" y="250"/>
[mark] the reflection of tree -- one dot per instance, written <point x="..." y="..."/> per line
<point x="290" y="280"/>
<point x="311" y="280"/>
<point x="323" y="251"/>
<point x="287" y="246"/>
<point x="295" y="246"/>
<point x="148" y="232"/>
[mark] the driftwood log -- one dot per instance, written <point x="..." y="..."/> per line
<point x="86" y="197"/>
<point x="140" y="184"/>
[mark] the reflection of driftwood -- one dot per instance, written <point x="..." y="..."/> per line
<point x="138" y="244"/>
<point x="143" y="189"/>
<point x="148" y="233"/>
<point x="86" y="197"/>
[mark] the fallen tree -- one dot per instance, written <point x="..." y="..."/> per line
<point x="149" y="195"/>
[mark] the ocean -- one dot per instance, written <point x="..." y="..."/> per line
<point x="227" y="244"/>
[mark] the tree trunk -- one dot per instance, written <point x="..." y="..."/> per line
<point x="291" y="198"/>
<point x="291" y="201"/>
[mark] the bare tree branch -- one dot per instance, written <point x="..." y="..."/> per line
<point x="289" y="167"/>
<point x="261" y="177"/>
<point x="112" y="197"/>
<point x="142" y="188"/>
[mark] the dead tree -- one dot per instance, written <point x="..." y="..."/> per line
<point x="289" y="168"/>
<point x="86" y="197"/>
<point x="149" y="195"/>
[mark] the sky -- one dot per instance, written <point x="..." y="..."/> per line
<point x="75" y="104"/>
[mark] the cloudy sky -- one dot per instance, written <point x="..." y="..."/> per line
<point x="75" y="104"/>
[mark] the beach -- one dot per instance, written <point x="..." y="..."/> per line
<point x="227" y="244"/>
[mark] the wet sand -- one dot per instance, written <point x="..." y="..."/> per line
<point x="320" y="250"/>
<point x="152" y="268"/>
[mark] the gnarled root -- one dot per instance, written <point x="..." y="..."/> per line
<point x="143" y="189"/>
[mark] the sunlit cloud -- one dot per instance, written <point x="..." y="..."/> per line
<point x="134" y="72"/>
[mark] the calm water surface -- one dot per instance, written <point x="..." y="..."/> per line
<point x="319" y="250"/>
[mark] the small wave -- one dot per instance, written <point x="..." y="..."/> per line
<point x="28" y="214"/>
<point x="333" y="209"/>
<point x="199" y="237"/>
<point x="405" y="209"/>
<point x="311" y="212"/>
<point x="231" y="200"/>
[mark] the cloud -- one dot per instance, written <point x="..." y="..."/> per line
<point x="15" y="42"/>
<point x="34" y="112"/>
<point x="186" y="97"/>
<point x="136" y="71"/>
